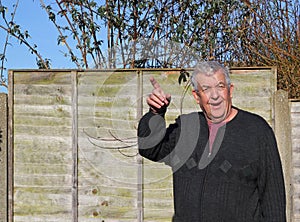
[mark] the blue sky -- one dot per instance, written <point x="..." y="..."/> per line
<point x="30" y="16"/>
<point x="33" y="18"/>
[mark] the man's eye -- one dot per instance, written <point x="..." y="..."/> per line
<point x="221" y="86"/>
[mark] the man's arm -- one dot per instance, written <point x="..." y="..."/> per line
<point x="155" y="142"/>
<point x="271" y="181"/>
<point x="153" y="139"/>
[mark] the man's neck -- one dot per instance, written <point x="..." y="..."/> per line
<point x="232" y="113"/>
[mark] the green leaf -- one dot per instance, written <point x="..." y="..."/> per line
<point x="183" y="76"/>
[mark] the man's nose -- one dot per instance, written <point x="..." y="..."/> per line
<point x="214" y="93"/>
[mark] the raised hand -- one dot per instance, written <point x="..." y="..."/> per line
<point x="158" y="100"/>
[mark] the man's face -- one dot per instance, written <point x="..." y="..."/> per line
<point x="214" y="96"/>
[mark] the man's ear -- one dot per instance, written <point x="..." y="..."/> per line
<point x="196" y="96"/>
<point x="231" y="90"/>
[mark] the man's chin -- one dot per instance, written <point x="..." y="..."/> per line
<point x="217" y="118"/>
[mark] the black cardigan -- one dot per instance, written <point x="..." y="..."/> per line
<point x="240" y="181"/>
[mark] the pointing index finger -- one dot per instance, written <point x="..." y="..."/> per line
<point x="154" y="83"/>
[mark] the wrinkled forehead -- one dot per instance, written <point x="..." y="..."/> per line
<point x="210" y="79"/>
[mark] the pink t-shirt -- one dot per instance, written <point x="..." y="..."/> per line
<point x="213" y="130"/>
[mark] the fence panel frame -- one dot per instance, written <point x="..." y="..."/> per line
<point x="3" y="157"/>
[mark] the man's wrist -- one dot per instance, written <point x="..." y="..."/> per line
<point x="158" y="112"/>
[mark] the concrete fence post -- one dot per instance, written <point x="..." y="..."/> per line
<point x="283" y="135"/>
<point x="3" y="157"/>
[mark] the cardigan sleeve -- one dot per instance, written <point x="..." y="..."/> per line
<point x="155" y="141"/>
<point x="271" y="181"/>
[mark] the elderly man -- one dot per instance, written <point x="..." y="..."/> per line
<point x="225" y="161"/>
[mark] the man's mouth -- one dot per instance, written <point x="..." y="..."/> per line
<point x="216" y="104"/>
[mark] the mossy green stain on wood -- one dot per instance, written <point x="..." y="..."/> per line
<point x="42" y="121"/>
<point x="41" y="100"/>
<point x="108" y="91"/>
<point x="119" y="78"/>
<point x="42" y="77"/>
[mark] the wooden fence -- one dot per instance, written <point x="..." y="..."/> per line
<point x="72" y="142"/>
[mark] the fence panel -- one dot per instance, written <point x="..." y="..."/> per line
<point x="254" y="89"/>
<point x="42" y="161"/>
<point x="107" y="113"/>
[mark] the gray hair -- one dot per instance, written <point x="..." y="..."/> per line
<point x="209" y="68"/>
